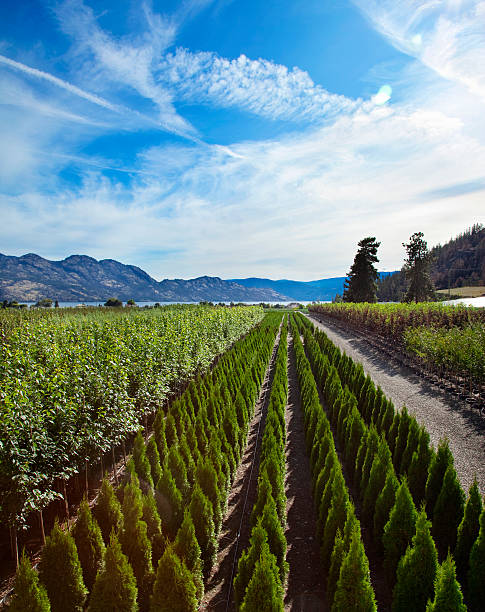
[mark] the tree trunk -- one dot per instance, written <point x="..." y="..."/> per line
<point x="66" y="502"/>
<point x="114" y="465"/>
<point x="87" y="480"/>
<point x="14" y="546"/>
<point x="42" y="530"/>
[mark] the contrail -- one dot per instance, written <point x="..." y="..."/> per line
<point x="60" y="83"/>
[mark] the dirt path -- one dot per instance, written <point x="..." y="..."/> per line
<point x="240" y="504"/>
<point x="441" y="414"/>
<point x="305" y="587"/>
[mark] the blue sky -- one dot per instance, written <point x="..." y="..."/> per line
<point x="239" y="138"/>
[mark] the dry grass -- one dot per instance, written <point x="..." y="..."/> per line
<point x="465" y="291"/>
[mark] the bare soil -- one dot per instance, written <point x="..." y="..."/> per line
<point x="442" y="414"/>
<point x="305" y="590"/>
<point x="235" y="531"/>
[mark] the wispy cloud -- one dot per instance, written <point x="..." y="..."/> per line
<point x="448" y="37"/>
<point x="45" y="76"/>
<point x="258" y="86"/>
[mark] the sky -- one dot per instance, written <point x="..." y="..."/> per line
<point x="239" y="138"/>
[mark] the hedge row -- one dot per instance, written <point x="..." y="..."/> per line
<point x="168" y="512"/>
<point x="396" y="473"/>
<point x="338" y="529"/>
<point x="262" y="567"/>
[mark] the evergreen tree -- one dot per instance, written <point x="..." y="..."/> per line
<point x="174" y="588"/>
<point x="209" y="483"/>
<point x="107" y="511"/>
<point x="60" y="572"/>
<point x="401" y="439"/>
<point x="154" y="526"/>
<point x="338" y="554"/>
<point x="384" y="504"/>
<point x="134" y="540"/>
<point x="188" y="550"/>
<point x="201" y="513"/>
<point x="448" y="596"/>
<point x="178" y="470"/>
<point x="416" y="572"/>
<point x="153" y="457"/>
<point x="468" y="532"/>
<point x="276" y="536"/>
<point x="399" y="529"/>
<point x="419" y="467"/>
<point x="411" y="445"/>
<point x="361" y="282"/>
<point x="476" y="570"/>
<point x="335" y="520"/>
<point x="416" y="268"/>
<point x="437" y="469"/>
<point x="160" y="439"/>
<point x="169" y="503"/>
<point x="264" y="592"/>
<point x="140" y="459"/>
<point x="247" y="561"/>
<point x="380" y="466"/>
<point x="354" y="590"/>
<point x="448" y="512"/>
<point x="89" y="544"/>
<point x="115" y="586"/>
<point x="29" y="595"/>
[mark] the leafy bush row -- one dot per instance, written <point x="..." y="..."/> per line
<point x="171" y="525"/>
<point x="395" y="471"/>
<point x="73" y="387"/>
<point x="338" y="530"/>
<point x="262" y="567"/>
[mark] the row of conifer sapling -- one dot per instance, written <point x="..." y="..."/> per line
<point x="400" y="481"/>
<point x="149" y="544"/>
<point x="262" y="567"/>
<point x="338" y="530"/>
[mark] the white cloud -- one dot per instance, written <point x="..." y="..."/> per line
<point x="447" y="36"/>
<point x="258" y="86"/>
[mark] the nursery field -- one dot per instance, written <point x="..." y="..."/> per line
<point x="280" y="478"/>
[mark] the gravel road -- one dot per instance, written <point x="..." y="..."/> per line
<point x="438" y="411"/>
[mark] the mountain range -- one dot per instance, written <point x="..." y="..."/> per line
<point x="80" y="278"/>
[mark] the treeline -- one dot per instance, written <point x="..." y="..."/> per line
<point x="409" y="495"/>
<point x="149" y="544"/>
<point x="457" y="263"/>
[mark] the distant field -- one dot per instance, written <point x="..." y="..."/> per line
<point x="465" y="291"/>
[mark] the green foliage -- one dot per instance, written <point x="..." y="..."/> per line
<point x="416" y="268"/>
<point x="476" y="571"/>
<point x="411" y="445"/>
<point x="437" y="469"/>
<point x="140" y="459"/>
<point x="174" y="589"/>
<point x="399" y="529"/>
<point x="448" y="512"/>
<point x="247" y="561"/>
<point x="264" y="592"/>
<point x="153" y="457"/>
<point x="381" y="464"/>
<point x="448" y="596"/>
<point x="416" y="572"/>
<point x="201" y="513"/>
<point x="107" y="511"/>
<point x="154" y="526"/>
<point x="354" y="590"/>
<point x="419" y="467"/>
<point x="89" y="544"/>
<point x="60" y="572"/>
<point x="29" y="595"/>
<point x="188" y="550"/>
<point x="361" y="282"/>
<point x="169" y="503"/>
<point x="276" y="536"/>
<point x="338" y="554"/>
<point x="115" y="586"/>
<point x="401" y="439"/>
<point x="335" y="520"/>
<point x="134" y="538"/>
<point x="178" y="470"/>
<point x="468" y="532"/>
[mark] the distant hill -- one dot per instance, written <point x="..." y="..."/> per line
<point x="460" y="262"/>
<point x="323" y="289"/>
<point x="80" y="278"/>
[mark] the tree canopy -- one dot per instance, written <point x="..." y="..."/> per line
<point x="417" y="269"/>
<point x="361" y="282"/>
